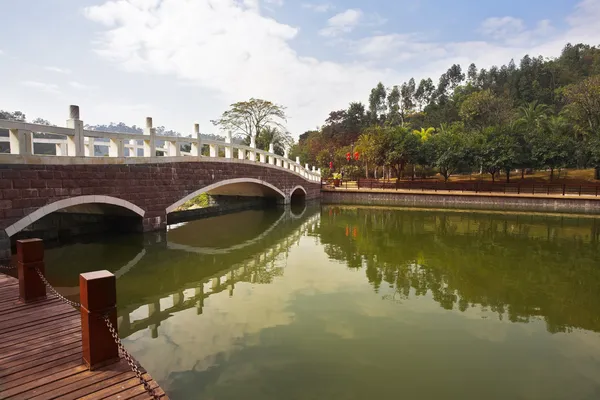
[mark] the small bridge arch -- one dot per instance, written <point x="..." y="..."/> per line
<point x="70" y="202"/>
<point x="298" y="193"/>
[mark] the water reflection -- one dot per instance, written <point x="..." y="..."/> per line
<point x="517" y="266"/>
<point x="354" y="303"/>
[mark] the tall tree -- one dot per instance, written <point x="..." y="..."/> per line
<point x="377" y="106"/>
<point x="394" y="116"/>
<point x="249" y="118"/>
<point x="407" y="93"/>
<point x="424" y="93"/>
<point x="472" y="74"/>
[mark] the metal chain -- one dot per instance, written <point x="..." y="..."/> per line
<point x="130" y="360"/>
<point x="7" y="267"/>
<point x="60" y="296"/>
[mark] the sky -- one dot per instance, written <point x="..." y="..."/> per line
<point x="185" y="61"/>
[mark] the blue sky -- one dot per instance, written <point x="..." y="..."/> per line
<point x="184" y="61"/>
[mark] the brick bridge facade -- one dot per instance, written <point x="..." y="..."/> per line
<point x="28" y="192"/>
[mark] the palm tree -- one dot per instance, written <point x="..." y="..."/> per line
<point x="533" y="114"/>
<point x="366" y="146"/>
<point x="424" y="134"/>
<point x="278" y="137"/>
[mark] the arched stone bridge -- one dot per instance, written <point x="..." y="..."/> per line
<point x="76" y="178"/>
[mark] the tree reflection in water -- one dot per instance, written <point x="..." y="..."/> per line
<point x="520" y="266"/>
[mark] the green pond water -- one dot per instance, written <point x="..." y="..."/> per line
<point x="358" y="303"/>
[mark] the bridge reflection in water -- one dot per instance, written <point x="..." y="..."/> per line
<point x="194" y="261"/>
<point x="252" y="261"/>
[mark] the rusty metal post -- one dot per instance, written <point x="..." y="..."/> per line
<point x="30" y="255"/>
<point x="98" y="292"/>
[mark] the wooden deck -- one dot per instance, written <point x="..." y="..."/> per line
<point x="40" y="354"/>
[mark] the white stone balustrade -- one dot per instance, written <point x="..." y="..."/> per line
<point x="75" y="141"/>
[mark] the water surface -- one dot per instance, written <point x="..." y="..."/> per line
<point x="358" y="303"/>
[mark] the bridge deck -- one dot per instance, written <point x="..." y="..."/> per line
<point x="40" y="354"/>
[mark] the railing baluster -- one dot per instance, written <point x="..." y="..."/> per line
<point x="150" y="140"/>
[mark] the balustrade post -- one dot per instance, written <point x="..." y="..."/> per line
<point x="213" y="150"/>
<point x="150" y="141"/>
<point x="241" y="154"/>
<point x="297" y="167"/>
<point x="252" y="154"/>
<point x="173" y="148"/>
<point x="271" y="154"/>
<point x="30" y="255"/>
<point x="116" y="148"/>
<point x="61" y="149"/>
<point x="263" y="158"/>
<point x="228" y="148"/>
<point x="75" y="143"/>
<point x="21" y="142"/>
<point x="98" y="293"/>
<point x="196" y="145"/>
<point x="89" y="147"/>
<point x="286" y="156"/>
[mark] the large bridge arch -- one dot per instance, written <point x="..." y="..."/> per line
<point x="67" y="203"/>
<point x="235" y="187"/>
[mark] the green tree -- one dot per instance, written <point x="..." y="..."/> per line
<point x="499" y="151"/>
<point x="13" y="116"/>
<point x="407" y="92"/>
<point x="553" y="146"/>
<point x="280" y="139"/>
<point x="424" y="134"/>
<point x="483" y="109"/>
<point x="424" y="93"/>
<point x="367" y="146"/>
<point x="451" y="151"/>
<point x="377" y="107"/>
<point x="394" y="118"/>
<point x="249" y="118"/>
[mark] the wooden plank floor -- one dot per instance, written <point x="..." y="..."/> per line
<point x="40" y="354"/>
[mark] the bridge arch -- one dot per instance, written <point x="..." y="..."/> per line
<point x="65" y="203"/>
<point x="237" y="186"/>
<point x="298" y="194"/>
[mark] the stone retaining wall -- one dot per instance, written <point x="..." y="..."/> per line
<point x="481" y="201"/>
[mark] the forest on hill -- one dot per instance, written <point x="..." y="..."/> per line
<point x="543" y="113"/>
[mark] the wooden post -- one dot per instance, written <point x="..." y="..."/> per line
<point x="98" y="292"/>
<point x="30" y="255"/>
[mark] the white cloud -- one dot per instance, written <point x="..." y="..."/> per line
<point x="231" y="50"/>
<point x="58" y="70"/>
<point x="343" y="22"/>
<point x="44" y="87"/>
<point x="278" y="3"/>
<point x="228" y="50"/>
<point x="80" y="86"/>
<point x="1" y="52"/>
<point x="500" y="28"/>
<point x="513" y="31"/>
<point x="319" y="7"/>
